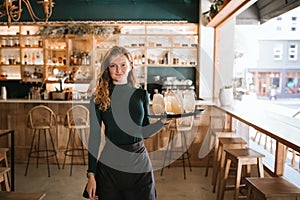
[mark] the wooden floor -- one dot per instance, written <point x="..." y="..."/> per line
<point x="61" y="186"/>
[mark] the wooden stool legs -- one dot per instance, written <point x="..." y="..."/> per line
<point x="4" y="181"/>
<point x="219" y="158"/>
<point x="240" y="157"/>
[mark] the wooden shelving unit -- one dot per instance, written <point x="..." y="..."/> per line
<point x="230" y="10"/>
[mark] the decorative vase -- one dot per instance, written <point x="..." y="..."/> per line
<point x="226" y="96"/>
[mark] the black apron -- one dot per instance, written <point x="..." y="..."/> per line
<point x="124" y="172"/>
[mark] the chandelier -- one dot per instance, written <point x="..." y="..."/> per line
<point x="13" y="10"/>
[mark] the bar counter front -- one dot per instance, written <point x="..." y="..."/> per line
<point x="14" y="114"/>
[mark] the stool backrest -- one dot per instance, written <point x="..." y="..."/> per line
<point x="217" y="122"/>
<point x="42" y="117"/>
<point x="185" y="123"/>
<point x="78" y="117"/>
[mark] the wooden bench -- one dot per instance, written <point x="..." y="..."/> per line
<point x="271" y="188"/>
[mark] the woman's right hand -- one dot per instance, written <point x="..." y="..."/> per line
<point x="91" y="187"/>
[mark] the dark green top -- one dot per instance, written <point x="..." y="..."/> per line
<point x="126" y="121"/>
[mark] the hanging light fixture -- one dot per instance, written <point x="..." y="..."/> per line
<point x="13" y="10"/>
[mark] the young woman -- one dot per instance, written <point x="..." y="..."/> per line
<point x="123" y="171"/>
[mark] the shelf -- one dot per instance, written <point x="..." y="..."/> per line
<point x="171" y="65"/>
<point x="10" y="78"/>
<point x="34" y="80"/>
<point x="14" y="48"/>
<point x="230" y="10"/>
<point x="64" y="53"/>
<point x="40" y="48"/>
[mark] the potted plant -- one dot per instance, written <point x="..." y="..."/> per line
<point x="214" y="8"/>
<point x="226" y="95"/>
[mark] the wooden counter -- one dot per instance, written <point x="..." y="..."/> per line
<point x="14" y="112"/>
<point x="266" y="119"/>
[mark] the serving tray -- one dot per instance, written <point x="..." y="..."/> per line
<point x="165" y="115"/>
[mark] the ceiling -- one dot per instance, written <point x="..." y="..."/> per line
<point x="264" y="10"/>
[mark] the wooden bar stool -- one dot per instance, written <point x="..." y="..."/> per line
<point x="3" y="157"/>
<point x="217" y="128"/>
<point x="219" y="157"/>
<point x="239" y="157"/>
<point x="181" y="126"/>
<point x="271" y="188"/>
<point x="42" y="122"/>
<point x="4" y="181"/>
<point x="77" y="121"/>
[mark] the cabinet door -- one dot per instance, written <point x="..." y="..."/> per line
<point x="10" y="53"/>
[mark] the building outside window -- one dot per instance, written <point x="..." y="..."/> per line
<point x="274" y="66"/>
<point x="292" y="83"/>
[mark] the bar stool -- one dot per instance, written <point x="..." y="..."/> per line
<point x="217" y="129"/>
<point x="219" y="160"/>
<point x="77" y="121"/>
<point x="271" y="188"/>
<point x="180" y="126"/>
<point x="239" y="157"/>
<point x="42" y="120"/>
<point x="4" y="181"/>
<point x="3" y="157"/>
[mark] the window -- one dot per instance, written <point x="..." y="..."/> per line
<point x="293" y="28"/>
<point x="277" y="52"/>
<point x="294" y="18"/>
<point x="293" y="52"/>
<point x="292" y="83"/>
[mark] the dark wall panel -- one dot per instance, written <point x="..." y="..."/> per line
<point x="97" y="10"/>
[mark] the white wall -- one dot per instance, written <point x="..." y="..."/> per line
<point x="206" y="56"/>
<point x="211" y="80"/>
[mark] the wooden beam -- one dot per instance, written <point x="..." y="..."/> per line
<point x="230" y="10"/>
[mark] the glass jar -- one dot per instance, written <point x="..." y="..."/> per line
<point x="173" y="102"/>
<point x="3" y="42"/>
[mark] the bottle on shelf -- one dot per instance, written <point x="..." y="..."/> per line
<point x="88" y="58"/>
<point x="64" y="60"/>
<point x="40" y="42"/>
<point x="143" y="59"/>
<point x="17" y="42"/>
<point x="33" y="58"/>
<point x="49" y="60"/>
<point x="25" y="59"/>
<point x="27" y="42"/>
<point x="10" y="42"/>
<point x="38" y="58"/>
<point x="35" y="73"/>
<point x="40" y="74"/>
<point x="3" y="42"/>
<point x="83" y="58"/>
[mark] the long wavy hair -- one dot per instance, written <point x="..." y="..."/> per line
<point x="102" y="95"/>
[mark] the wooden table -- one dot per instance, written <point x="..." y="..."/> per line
<point x="285" y="130"/>
<point x="12" y="156"/>
<point x="21" y="196"/>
